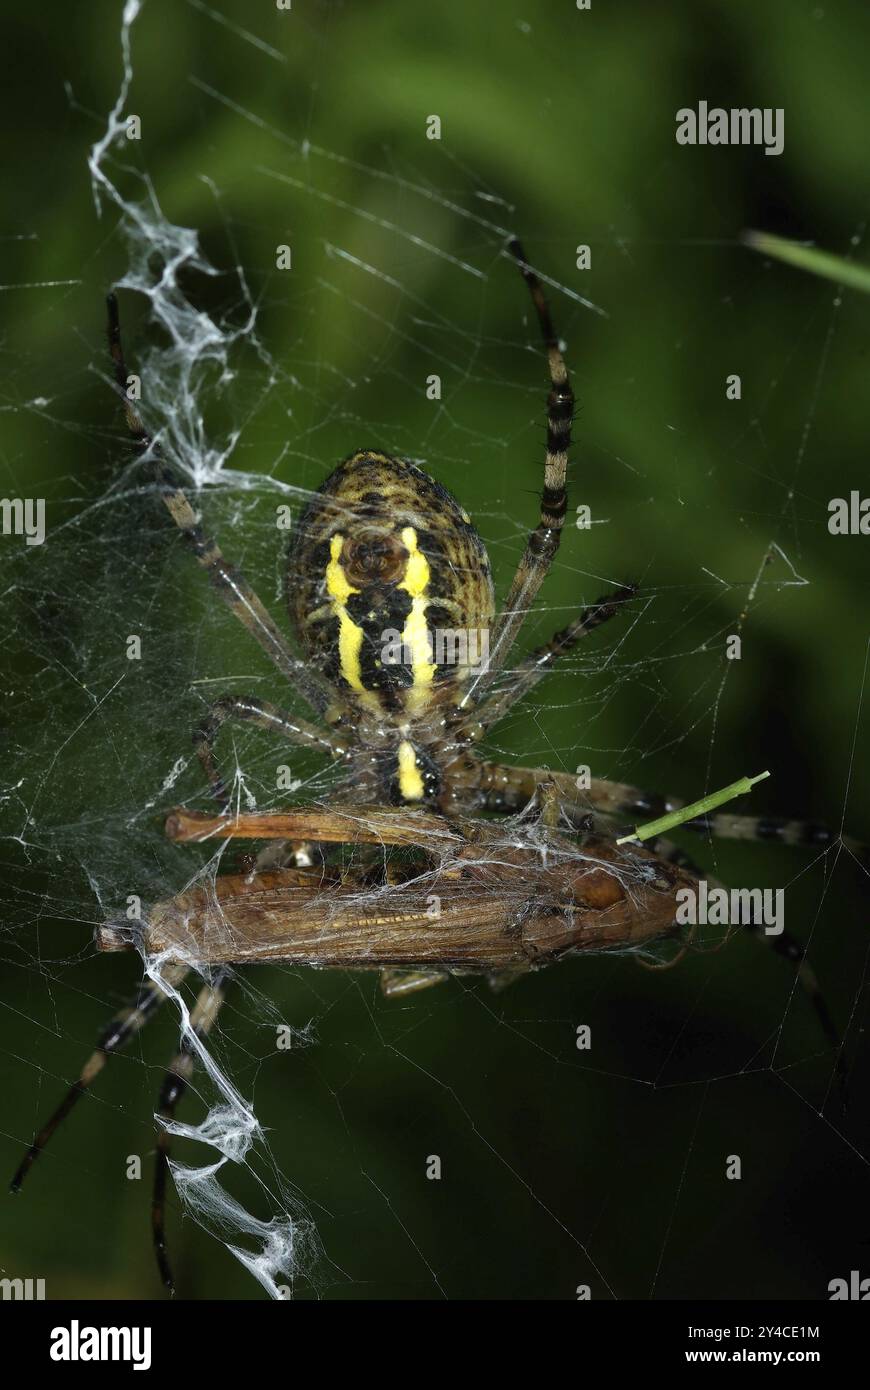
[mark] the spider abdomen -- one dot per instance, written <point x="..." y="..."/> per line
<point x="389" y="589"/>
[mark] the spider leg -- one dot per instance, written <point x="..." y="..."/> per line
<point x="791" y="950"/>
<point x="784" y="944"/>
<point x="784" y="830"/>
<point x="118" y="1032"/>
<point x="621" y="801"/>
<point x="508" y="789"/>
<point x="266" y="716"/>
<point x="543" y="542"/>
<point x="175" y="1083"/>
<point x="228" y="581"/>
<point x="533" y="668"/>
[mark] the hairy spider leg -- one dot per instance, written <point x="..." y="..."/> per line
<point x="784" y="944"/>
<point x="117" y="1034"/>
<point x="175" y="1083"/>
<point x="538" y="664"/>
<point x="228" y="581"/>
<point x="507" y="788"/>
<point x="262" y="713"/>
<point x="543" y="541"/>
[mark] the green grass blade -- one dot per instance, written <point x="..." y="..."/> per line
<point x="804" y="256"/>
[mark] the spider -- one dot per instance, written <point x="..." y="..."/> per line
<point x="437" y="882"/>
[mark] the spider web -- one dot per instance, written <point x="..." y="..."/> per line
<point x="560" y="1168"/>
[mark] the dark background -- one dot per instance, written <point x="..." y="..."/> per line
<point x="560" y="1168"/>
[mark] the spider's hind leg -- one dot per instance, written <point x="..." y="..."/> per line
<point x="784" y="944"/>
<point x="116" y="1035"/>
<point x="175" y="1083"/>
<point x="791" y="950"/>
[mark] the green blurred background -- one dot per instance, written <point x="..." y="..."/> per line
<point x="560" y="1168"/>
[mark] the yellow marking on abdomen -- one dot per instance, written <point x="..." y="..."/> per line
<point x="350" y="634"/>
<point x="415" y="634"/>
<point x="410" y="776"/>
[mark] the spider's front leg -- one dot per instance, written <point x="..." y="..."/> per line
<point x="227" y="580"/>
<point x="507" y="789"/>
<point x="543" y="541"/>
